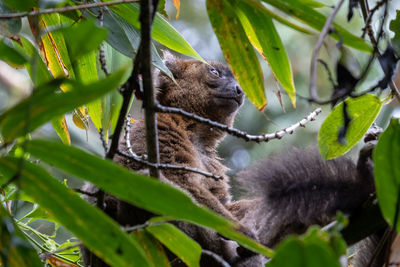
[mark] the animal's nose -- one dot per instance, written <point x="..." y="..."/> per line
<point x="239" y="90"/>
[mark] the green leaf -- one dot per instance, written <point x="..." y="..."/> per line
<point x="362" y="111"/>
<point x="54" y="48"/>
<point x="176" y="241"/>
<point x="312" y="250"/>
<point x="61" y="128"/>
<point x="9" y="27"/>
<point x="86" y="73"/>
<point x="136" y="189"/>
<point x="387" y="173"/>
<point x="47" y="104"/>
<point x="272" y="48"/>
<point x="14" y="248"/>
<point x="21" y="5"/>
<point x="36" y="68"/>
<point x="126" y="39"/>
<point x="237" y="50"/>
<point x="395" y="27"/>
<point x="161" y="8"/>
<point x="76" y="37"/>
<point x="11" y="55"/>
<point x="162" y="32"/>
<point x="97" y="231"/>
<point x="154" y="250"/>
<point x="316" y="20"/>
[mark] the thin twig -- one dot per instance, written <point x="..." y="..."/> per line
<point x="216" y="257"/>
<point x="63" y="9"/>
<point x="321" y="37"/>
<point x="102" y="56"/>
<point x="165" y="166"/>
<point x="328" y="71"/>
<point x="236" y="132"/>
<point x="369" y="16"/>
<point x="103" y="140"/>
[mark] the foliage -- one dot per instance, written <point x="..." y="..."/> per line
<point x="70" y="74"/>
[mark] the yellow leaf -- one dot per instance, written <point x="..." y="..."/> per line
<point x="177" y="5"/>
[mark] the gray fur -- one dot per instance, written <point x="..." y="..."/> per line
<point x="298" y="190"/>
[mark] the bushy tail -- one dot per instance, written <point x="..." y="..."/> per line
<point x="298" y="190"/>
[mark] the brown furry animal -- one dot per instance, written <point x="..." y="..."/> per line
<point x="292" y="192"/>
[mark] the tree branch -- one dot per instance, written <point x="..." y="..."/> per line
<point x="147" y="10"/>
<point x="63" y="9"/>
<point x="321" y="37"/>
<point x="236" y="132"/>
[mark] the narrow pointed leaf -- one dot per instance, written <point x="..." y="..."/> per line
<point x="154" y="250"/>
<point x="54" y="48"/>
<point x="180" y="244"/>
<point x="61" y="128"/>
<point x="162" y="32"/>
<point x="237" y="50"/>
<point x="136" y="189"/>
<point x="39" y="75"/>
<point x="362" y="111"/>
<point x="387" y="173"/>
<point x="86" y="73"/>
<point x="316" y="20"/>
<point x="47" y="104"/>
<point x="97" y="231"/>
<point x="272" y="48"/>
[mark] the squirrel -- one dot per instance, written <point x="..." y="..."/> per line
<point x="210" y="90"/>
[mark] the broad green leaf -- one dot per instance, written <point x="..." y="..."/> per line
<point x="316" y="20"/>
<point x="312" y="250"/>
<point x="395" y="27"/>
<point x="136" y="189"/>
<point x="47" y="104"/>
<point x="179" y="243"/>
<point x="154" y="250"/>
<point x="237" y="50"/>
<point x="97" y="231"/>
<point x="272" y="48"/>
<point x="387" y="172"/>
<point x="14" y="248"/>
<point x="86" y="72"/>
<point x="11" y="55"/>
<point x="362" y="111"/>
<point x="76" y="37"/>
<point x="9" y="27"/>
<point x="162" y="32"/>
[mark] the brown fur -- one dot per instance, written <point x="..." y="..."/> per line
<point x="185" y="142"/>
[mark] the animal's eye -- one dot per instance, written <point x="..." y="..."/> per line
<point x="215" y="72"/>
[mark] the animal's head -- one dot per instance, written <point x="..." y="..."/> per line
<point x="208" y="90"/>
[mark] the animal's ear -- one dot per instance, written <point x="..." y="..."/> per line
<point x="172" y="62"/>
